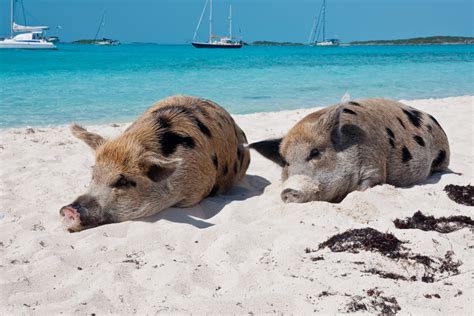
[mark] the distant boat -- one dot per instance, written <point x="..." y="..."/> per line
<point x="104" y="41"/>
<point x="29" y="37"/>
<point x="214" y="40"/>
<point x="52" y="39"/>
<point x="319" y="26"/>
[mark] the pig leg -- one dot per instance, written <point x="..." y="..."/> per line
<point x="368" y="183"/>
<point x="371" y="178"/>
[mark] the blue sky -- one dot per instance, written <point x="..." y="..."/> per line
<point x="174" y="21"/>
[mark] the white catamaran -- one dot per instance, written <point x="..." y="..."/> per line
<point x="319" y="26"/>
<point x="28" y="37"/>
<point x="214" y="40"/>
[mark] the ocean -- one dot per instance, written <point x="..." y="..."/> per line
<point x="92" y="84"/>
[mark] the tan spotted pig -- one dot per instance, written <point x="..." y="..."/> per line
<point x="354" y="146"/>
<point x="177" y="153"/>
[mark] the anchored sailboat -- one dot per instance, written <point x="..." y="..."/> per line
<point x="319" y="26"/>
<point x="29" y="37"/>
<point x="215" y="41"/>
<point x="104" y="41"/>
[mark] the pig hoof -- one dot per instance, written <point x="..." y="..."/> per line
<point x="71" y="218"/>
<point x="292" y="196"/>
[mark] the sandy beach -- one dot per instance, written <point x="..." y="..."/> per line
<point x="243" y="252"/>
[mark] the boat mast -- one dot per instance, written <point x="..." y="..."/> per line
<point x="11" y="18"/>
<point x="324" y="20"/>
<point x="200" y="19"/>
<point x="230" y="21"/>
<point x="210" y="22"/>
<point x="100" y="26"/>
<point x="103" y="27"/>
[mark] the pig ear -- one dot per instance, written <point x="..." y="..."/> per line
<point x="157" y="169"/>
<point x="346" y="135"/>
<point x="91" y="139"/>
<point x="270" y="149"/>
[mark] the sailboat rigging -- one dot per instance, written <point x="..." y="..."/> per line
<point x="104" y="41"/>
<point x="319" y="26"/>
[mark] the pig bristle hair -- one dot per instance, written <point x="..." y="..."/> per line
<point x="346" y="97"/>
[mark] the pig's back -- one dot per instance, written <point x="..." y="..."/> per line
<point x="412" y="142"/>
<point x="204" y="135"/>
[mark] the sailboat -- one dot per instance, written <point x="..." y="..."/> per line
<point x="215" y="41"/>
<point x="318" y="26"/>
<point x="104" y="41"/>
<point x="28" y="37"/>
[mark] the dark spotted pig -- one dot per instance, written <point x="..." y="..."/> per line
<point x="354" y="146"/>
<point x="178" y="152"/>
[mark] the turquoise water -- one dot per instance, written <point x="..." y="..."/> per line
<point x="90" y="84"/>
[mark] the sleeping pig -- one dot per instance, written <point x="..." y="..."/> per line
<point x="354" y="146"/>
<point x="178" y="152"/>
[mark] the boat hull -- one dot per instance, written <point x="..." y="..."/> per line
<point x="208" y="45"/>
<point x="26" y="45"/>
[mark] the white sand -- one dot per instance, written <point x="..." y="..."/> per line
<point x="239" y="253"/>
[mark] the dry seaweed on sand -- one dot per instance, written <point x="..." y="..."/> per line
<point x="386" y="275"/>
<point x="429" y="223"/>
<point x="374" y="303"/>
<point x="368" y="239"/>
<point x="462" y="194"/>
<point x="449" y="265"/>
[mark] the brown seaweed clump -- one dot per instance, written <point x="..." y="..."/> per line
<point x="374" y="303"/>
<point x="368" y="239"/>
<point x="429" y="223"/>
<point x="462" y="194"/>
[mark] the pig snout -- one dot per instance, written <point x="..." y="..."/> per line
<point x="83" y="213"/>
<point x="71" y="218"/>
<point x="292" y="196"/>
<point x="299" y="189"/>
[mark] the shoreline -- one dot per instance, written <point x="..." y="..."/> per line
<point x="241" y="252"/>
<point x="127" y="121"/>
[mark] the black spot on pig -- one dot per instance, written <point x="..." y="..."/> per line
<point x="215" y="161"/>
<point x="414" y="116"/>
<point x="226" y="169"/>
<point x="354" y="103"/>
<point x="203" y="128"/>
<point x="401" y="122"/>
<point x="392" y="143"/>
<point x="349" y="111"/>
<point x="406" y="155"/>
<point x="419" y="140"/>
<point x="170" y="140"/>
<point x="163" y="122"/>
<point x="390" y="133"/>
<point x="439" y="159"/>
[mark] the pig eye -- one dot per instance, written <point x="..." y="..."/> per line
<point x="314" y="154"/>
<point x="123" y="183"/>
